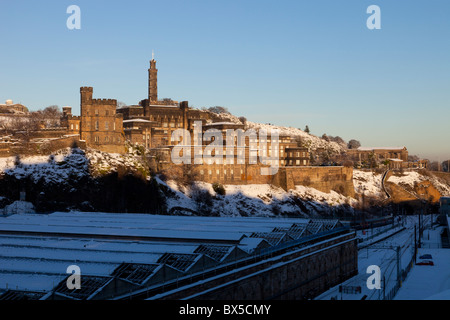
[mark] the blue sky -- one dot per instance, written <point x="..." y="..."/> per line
<point x="291" y="63"/>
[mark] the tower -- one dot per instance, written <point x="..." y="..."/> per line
<point x="152" y="81"/>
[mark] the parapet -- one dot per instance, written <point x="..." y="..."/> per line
<point x="86" y="89"/>
<point x="105" y="102"/>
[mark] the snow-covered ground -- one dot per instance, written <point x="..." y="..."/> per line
<point x="367" y="182"/>
<point x="423" y="282"/>
<point x="311" y="141"/>
<point x="410" y="178"/>
<point x="259" y="200"/>
<point x="428" y="282"/>
<point x="240" y="200"/>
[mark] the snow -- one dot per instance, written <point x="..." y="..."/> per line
<point x="368" y="183"/>
<point x="136" y="120"/>
<point x="428" y="282"/>
<point x="220" y="123"/>
<point x="311" y="141"/>
<point x="407" y="179"/>
<point x="410" y="178"/>
<point x="40" y="262"/>
<point x="380" y="148"/>
<point x="18" y="207"/>
<point x="422" y="282"/>
<point x="145" y="225"/>
<point x="330" y="199"/>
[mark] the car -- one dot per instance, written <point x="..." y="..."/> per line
<point x="426" y="256"/>
<point x="425" y="263"/>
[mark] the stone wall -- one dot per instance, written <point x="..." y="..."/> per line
<point x="325" y="179"/>
<point x="299" y="274"/>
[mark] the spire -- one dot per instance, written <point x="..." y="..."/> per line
<point x="153" y="55"/>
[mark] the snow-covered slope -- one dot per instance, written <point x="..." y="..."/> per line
<point x="255" y="200"/>
<point x="69" y="163"/>
<point x="309" y="140"/>
<point x="410" y="178"/>
<point x="368" y="183"/>
<point x="68" y="166"/>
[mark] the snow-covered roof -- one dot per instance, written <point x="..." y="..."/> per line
<point x="135" y="120"/>
<point x="222" y="123"/>
<point x="37" y="248"/>
<point x="379" y="148"/>
<point x="163" y="106"/>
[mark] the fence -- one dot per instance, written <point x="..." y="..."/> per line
<point x="404" y="273"/>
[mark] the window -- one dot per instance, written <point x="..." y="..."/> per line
<point x="172" y="124"/>
<point x="106" y="125"/>
<point x="71" y="126"/>
<point x="164" y="124"/>
<point x="107" y="113"/>
<point x="209" y="172"/>
<point x="77" y="127"/>
<point x="297" y="162"/>
<point x="106" y="139"/>
<point x="202" y="172"/>
<point x="96" y="139"/>
<point x="217" y="172"/>
<point x="96" y="125"/>
<point x="304" y="162"/>
<point x="96" y="112"/>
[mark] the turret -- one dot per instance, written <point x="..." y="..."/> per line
<point x="86" y="94"/>
<point x="153" y="81"/>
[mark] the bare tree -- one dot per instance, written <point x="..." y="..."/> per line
<point x="218" y="109"/>
<point x="307" y="129"/>
<point x="51" y="116"/>
<point x="353" y="144"/>
<point x="243" y="120"/>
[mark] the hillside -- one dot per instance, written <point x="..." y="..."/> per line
<point x="312" y="142"/>
<point x="73" y="179"/>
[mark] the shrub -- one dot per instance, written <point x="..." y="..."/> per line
<point x="218" y="188"/>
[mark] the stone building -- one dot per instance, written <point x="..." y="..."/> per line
<point x="69" y="121"/>
<point x="100" y="126"/>
<point x="379" y="154"/>
<point x="14" y="108"/>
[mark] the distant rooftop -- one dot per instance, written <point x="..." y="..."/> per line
<point x="380" y="148"/>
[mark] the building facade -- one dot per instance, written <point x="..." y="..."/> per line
<point x="101" y="126"/>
